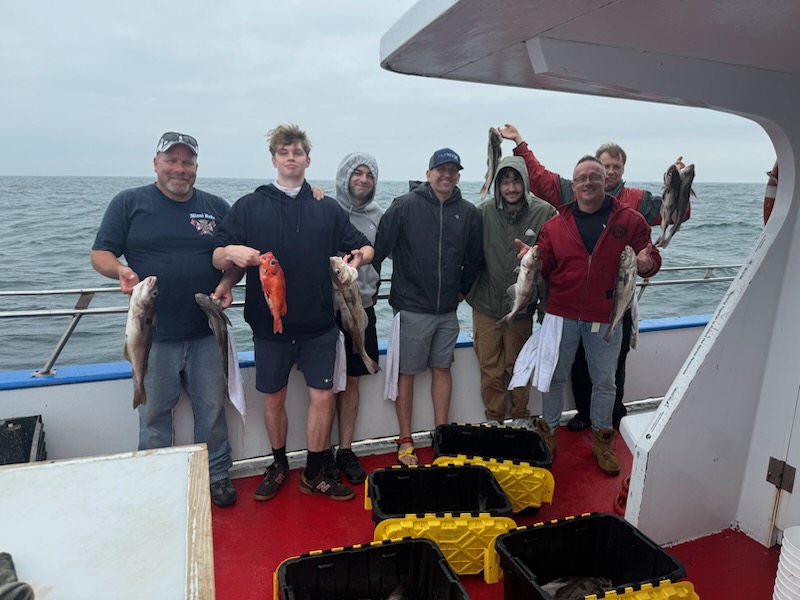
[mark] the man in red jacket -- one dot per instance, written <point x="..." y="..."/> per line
<point x="580" y="252"/>
<point x="557" y="190"/>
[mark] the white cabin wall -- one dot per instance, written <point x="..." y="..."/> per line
<point x="689" y="468"/>
<point x="778" y="404"/>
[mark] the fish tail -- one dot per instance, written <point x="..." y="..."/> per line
<point x="277" y="325"/>
<point x="371" y="365"/>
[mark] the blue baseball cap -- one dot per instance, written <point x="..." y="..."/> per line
<point x="442" y="156"/>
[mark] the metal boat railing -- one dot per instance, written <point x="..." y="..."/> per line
<point x="86" y="295"/>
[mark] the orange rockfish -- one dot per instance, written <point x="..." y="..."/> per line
<point x="274" y="285"/>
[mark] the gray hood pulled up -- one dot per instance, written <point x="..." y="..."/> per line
<point x="365" y="217"/>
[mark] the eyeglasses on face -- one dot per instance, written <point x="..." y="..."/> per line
<point x="593" y="177"/>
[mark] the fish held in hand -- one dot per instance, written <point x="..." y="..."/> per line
<point x="218" y="322"/>
<point x="347" y="302"/>
<point x="139" y="333"/>
<point x="494" y="154"/>
<point x="674" y="201"/>
<point x="526" y="290"/>
<point x="273" y="283"/>
<point x="624" y="289"/>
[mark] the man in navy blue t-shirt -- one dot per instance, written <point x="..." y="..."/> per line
<point x="166" y="229"/>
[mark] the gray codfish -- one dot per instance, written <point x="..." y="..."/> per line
<point x="624" y="289"/>
<point x="675" y="201"/>
<point x="669" y="201"/>
<point x="219" y="322"/>
<point x="576" y="588"/>
<point x="494" y="154"/>
<point x="139" y="333"/>
<point x="526" y="290"/>
<point x="347" y="302"/>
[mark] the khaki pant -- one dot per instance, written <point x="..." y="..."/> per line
<point x="497" y="348"/>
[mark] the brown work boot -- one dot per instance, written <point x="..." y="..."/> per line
<point x="601" y="449"/>
<point x="548" y="436"/>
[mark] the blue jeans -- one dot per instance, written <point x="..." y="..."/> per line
<point x="602" y="359"/>
<point x="195" y="365"/>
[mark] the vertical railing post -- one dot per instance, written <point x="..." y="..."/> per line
<point x="47" y="370"/>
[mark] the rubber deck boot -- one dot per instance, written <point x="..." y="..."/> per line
<point x="548" y="436"/>
<point x="601" y="449"/>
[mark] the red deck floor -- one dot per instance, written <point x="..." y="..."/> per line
<point x="252" y="538"/>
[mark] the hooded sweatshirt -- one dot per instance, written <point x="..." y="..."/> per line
<point x="365" y="218"/>
<point x="302" y="233"/>
<point x="500" y="226"/>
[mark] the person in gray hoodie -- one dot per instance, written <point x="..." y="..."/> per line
<point x="356" y="181"/>
<point x="512" y="213"/>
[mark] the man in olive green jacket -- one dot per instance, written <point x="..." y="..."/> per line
<point x="513" y="213"/>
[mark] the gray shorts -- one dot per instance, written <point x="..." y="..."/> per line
<point x="427" y="341"/>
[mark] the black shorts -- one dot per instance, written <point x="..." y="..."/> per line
<point x="355" y="366"/>
<point x="314" y="357"/>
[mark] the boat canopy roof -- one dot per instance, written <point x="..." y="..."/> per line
<point x="635" y="49"/>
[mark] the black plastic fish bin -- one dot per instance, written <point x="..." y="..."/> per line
<point x="593" y="545"/>
<point x="398" y="491"/>
<point x="501" y="443"/>
<point x="22" y="440"/>
<point x="415" y="566"/>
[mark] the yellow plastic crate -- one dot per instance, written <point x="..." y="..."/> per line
<point x="526" y="486"/>
<point x="665" y="590"/>
<point x="462" y="538"/>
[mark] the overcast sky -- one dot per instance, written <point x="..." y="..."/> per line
<point x="88" y="86"/>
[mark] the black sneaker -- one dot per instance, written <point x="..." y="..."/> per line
<point x="326" y="486"/>
<point x="330" y="467"/>
<point x="223" y="493"/>
<point x="348" y="462"/>
<point x="274" y="477"/>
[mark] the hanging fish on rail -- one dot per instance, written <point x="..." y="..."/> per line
<point x="139" y="333"/>
<point x="347" y="302"/>
<point x="273" y="283"/>
<point x="219" y="322"/>
<point x="494" y="154"/>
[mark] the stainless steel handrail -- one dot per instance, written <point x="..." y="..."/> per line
<point x="85" y="296"/>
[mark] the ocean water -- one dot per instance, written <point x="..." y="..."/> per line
<point x="48" y="225"/>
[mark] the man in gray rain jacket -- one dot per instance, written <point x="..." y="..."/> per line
<point x="513" y="212"/>
<point x="356" y="180"/>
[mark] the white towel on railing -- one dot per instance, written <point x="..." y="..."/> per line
<point x="635" y="321"/>
<point x="537" y="359"/>
<point x="392" y="370"/>
<point x="340" y="366"/>
<point x="235" y="386"/>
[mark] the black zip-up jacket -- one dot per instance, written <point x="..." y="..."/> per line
<point x="436" y="250"/>
<point x="302" y="233"/>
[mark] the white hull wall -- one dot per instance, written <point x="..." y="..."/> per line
<point x="88" y="419"/>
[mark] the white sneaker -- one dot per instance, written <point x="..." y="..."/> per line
<point x="492" y="422"/>
<point x="524" y="423"/>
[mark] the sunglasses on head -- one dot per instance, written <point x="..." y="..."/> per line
<point x="173" y="137"/>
